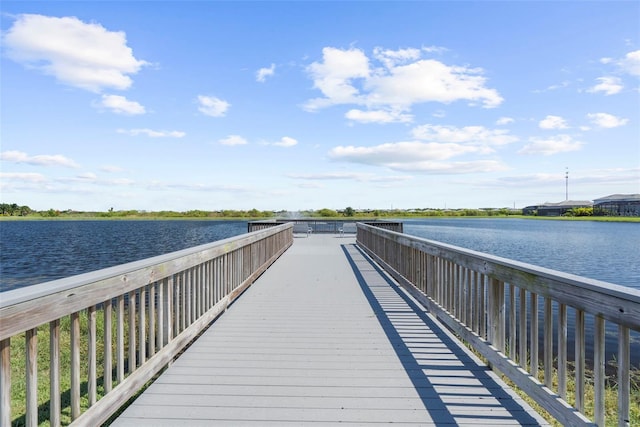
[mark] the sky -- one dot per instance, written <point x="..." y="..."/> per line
<point x="211" y="105"/>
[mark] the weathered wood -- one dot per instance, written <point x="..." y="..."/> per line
<point x="54" y="373"/>
<point x="579" y="361"/>
<point x="142" y="326"/>
<point x="548" y="342"/>
<point x="5" y="382"/>
<point x="31" y="353"/>
<point x="598" y="371"/>
<point x="120" y="339"/>
<point x="92" y="379"/>
<point x="562" y="351"/>
<point x="624" y="377"/>
<point x="108" y="349"/>
<point x="75" y="365"/>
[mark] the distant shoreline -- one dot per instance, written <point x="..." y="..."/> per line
<point x="151" y="217"/>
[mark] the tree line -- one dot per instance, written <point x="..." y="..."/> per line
<point x="13" y="209"/>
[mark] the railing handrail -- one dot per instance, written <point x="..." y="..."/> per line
<point x="625" y="309"/>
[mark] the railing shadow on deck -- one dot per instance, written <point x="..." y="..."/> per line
<point x="385" y="307"/>
<point x="488" y="300"/>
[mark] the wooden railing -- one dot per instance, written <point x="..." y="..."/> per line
<point x="488" y="301"/>
<point x="325" y="225"/>
<point x="150" y="310"/>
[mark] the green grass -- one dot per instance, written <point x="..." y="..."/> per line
<point x="18" y="369"/>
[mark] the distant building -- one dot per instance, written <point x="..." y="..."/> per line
<point x="617" y="205"/>
<point x="555" y="209"/>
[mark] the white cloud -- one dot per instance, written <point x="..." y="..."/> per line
<point x="504" y="121"/>
<point x="476" y="135"/>
<point x="354" y="176"/>
<point x="233" y="140"/>
<point x="553" y="122"/>
<point x="286" y="142"/>
<point x="605" y="120"/>
<point x="417" y="156"/>
<point x="153" y="133"/>
<point x="552" y="145"/>
<point x="608" y="85"/>
<point x="212" y="106"/>
<point x="334" y="74"/>
<point x="378" y="116"/>
<point x="23" y="177"/>
<point x="121" y="105"/>
<point x="401" y="80"/>
<point x="263" y="73"/>
<point x="631" y="63"/>
<point x="391" y="58"/>
<point x="39" y="160"/>
<point x="79" y="54"/>
<point x="111" y="169"/>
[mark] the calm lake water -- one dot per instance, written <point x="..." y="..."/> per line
<point x="33" y="252"/>
<point x="608" y="251"/>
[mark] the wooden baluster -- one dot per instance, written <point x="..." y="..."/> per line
<point x="132" y="332"/>
<point x="535" y="336"/>
<point x="75" y="365"/>
<point x="580" y="362"/>
<point x="54" y="373"/>
<point x="512" y="322"/>
<point x="5" y="382"/>
<point x="31" y="355"/>
<point x="624" y="377"/>
<point x="562" y="351"/>
<point x="548" y="343"/>
<point x="142" y="326"/>
<point x="152" y="318"/>
<point x="522" y="333"/>
<point x="92" y="380"/>
<point x="108" y="356"/>
<point x="598" y="370"/>
<point x="120" y="339"/>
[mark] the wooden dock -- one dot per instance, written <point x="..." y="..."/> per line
<point x="325" y="337"/>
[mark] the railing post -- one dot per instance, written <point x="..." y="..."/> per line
<point x="5" y="382"/>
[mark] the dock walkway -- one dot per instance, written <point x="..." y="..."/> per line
<point x="324" y="337"/>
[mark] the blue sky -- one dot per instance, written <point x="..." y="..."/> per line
<point x="158" y="105"/>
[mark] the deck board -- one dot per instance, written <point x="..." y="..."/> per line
<point x="323" y="337"/>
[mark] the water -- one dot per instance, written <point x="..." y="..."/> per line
<point x="33" y="252"/>
<point x="608" y="251"/>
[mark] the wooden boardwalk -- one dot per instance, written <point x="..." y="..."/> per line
<point x="323" y="337"/>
